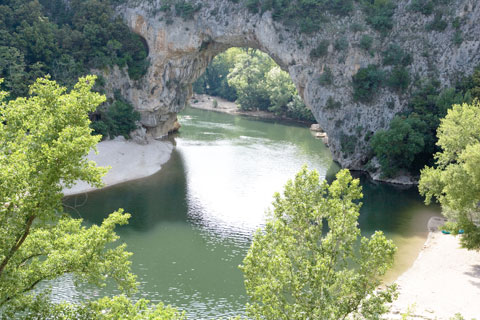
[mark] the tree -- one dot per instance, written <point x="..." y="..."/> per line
<point x="248" y="79"/>
<point x="397" y="147"/>
<point x="280" y="88"/>
<point x="297" y="269"/>
<point x="366" y="82"/>
<point x="45" y="139"/>
<point x="455" y="181"/>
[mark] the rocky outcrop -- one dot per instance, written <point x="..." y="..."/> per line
<point x="180" y="50"/>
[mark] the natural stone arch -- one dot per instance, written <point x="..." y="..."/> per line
<point x="180" y="50"/>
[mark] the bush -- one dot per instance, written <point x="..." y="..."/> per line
<point x="366" y="82"/>
<point x="326" y="78"/>
<point x="424" y="6"/>
<point x="399" y="79"/>
<point x="116" y="119"/>
<point x="379" y="14"/>
<point x="438" y="24"/>
<point x="341" y="44"/>
<point x="348" y="143"/>
<point x="395" y="55"/>
<point x="366" y="42"/>
<point x="332" y="104"/>
<point x="321" y="50"/>
<point x="397" y="147"/>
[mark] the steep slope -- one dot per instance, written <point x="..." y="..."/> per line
<point x="442" y="46"/>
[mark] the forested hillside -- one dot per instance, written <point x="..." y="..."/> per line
<point x="49" y="37"/>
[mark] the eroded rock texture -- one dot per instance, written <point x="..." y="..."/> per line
<point x="180" y="50"/>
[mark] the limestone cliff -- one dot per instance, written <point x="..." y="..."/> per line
<point x="180" y="50"/>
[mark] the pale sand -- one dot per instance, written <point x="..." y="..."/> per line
<point x="128" y="161"/>
<point x="444" y="280"/>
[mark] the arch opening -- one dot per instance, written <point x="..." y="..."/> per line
<point x="254" y="81"/>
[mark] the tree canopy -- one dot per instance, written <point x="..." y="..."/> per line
<point x="253" y="80"/>
<point x="64" y="40"/>
<point x="455" y="181"/>
<point x="45" y="138"/>
<point x="297" y="268"/>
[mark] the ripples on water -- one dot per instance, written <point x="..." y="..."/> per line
<point x="193" y="221"/>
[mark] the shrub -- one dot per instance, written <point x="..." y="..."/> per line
<point x="116" y="119"/>
<point x="341" y="44"/>
<point x="424" y="6"/>
<point x="437" y="24"/>
<point x="348" y="143"/>
<point x="332" y="104"/>
<point x="395" y="55"/>
<point x="399" y="78"/>
<point x="366" y="42"/>
<point x="397" y="147"/>
<point x="379" y="14"/>
<point x="326" y="78"/>
<point x="321" y="50"/>
<point x="366" y="82"/>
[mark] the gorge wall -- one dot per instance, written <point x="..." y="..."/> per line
<point x="180" y="50"/>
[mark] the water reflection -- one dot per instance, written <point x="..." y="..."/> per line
<point x="142" y="198"/>
<point x="192" y="222"/>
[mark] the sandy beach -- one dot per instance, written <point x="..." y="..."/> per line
<point x="444" y="280"/>
<point x="128" y="161"/>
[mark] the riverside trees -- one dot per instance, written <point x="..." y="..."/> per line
<point x="455" y="181"/>
<point x="44" y="141"/>
<point x="296" y="270"/>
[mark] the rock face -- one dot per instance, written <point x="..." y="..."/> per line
<point x="180" y="50"/>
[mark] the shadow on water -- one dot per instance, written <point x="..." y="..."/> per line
<point x="152" y="200"/>
<point x="192" y="222"/>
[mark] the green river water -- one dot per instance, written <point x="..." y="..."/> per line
<point x="192" y="222"/>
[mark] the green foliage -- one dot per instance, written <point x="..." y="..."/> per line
<point x="399" y="78"/>
<point x="457" y="38"/>
<point x="252" y="79"/>
<point x="437" y="24"/>
<point x="65" y="41"/>
<point x="379" y="14"/>
<point x="46" y="138"/>
<point x="296" y="269"/>
<point x="306" y="15"/>
<point x="348" y="143"/>
<point x="321" y="50"/>
<point x="332" y="104"/>
<point x="427" y="106"/>
<point x="341" y="44"/>
<point x="185" y="9"/>
<point x="116" y="119"/>
<point x="366" y="83"/>
<point x="118" y="307"/>
<point x="396" y="148"/>
<point x="366" y="42"/>
<point x="455" y="181"/>
<point x="214" y="81"/>
<point x="326" y="78"/>
<point x="424" y="6"/>
<point x="248" y="79"/>
<point x="396" y="56"/>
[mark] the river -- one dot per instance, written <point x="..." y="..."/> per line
<point x="192" y="222"/>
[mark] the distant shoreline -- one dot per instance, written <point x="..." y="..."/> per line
<point x="128" y="161"/>
<point x="205" y="102"/>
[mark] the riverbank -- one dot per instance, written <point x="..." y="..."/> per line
<point x="206" y="102"/>
<point x="128" y="161"/>
<point x="444" y="280"/>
